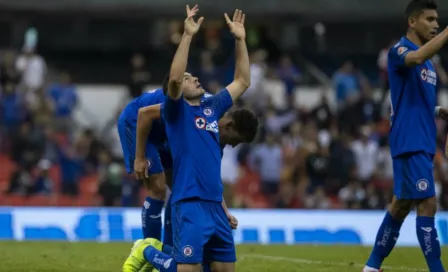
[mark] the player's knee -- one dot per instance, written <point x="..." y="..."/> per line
<point x="399" y="209"/>
<point x="427" y="207"/>
<point x="222" y="267"/>
<point x="188" y="268"/>
<point x="155" y="186"/>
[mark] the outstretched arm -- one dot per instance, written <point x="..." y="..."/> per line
<point x="427" y="51"/>
<point x="180" y="59"/>
<point x="146" y="116"/>
<point x="241" y="79"/>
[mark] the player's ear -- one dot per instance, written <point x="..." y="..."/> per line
<point x="229" y="123"/>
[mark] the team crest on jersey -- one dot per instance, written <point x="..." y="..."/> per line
<point x="187" y="251"/>
<point x="200" y="122"/>
<point x="401" y="50"/>
<point x="429" y="76"/>
<point x="422" y="185"/>
<point x="208" y="112"/>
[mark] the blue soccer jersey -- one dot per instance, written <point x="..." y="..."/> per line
<point x="413" y="128"/>
<point x="413" y="97"/>
<point x="193" y="136"/>
<point x="127" y="130"/>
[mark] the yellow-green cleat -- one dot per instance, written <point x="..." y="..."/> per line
<point x="136" y="261"/>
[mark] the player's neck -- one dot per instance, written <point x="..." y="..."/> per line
<point x="194" y="102"/>
<point x="413" y="37"/>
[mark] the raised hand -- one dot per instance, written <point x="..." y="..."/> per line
<point x="190" y="26"/>
<point x="237" y="24"/>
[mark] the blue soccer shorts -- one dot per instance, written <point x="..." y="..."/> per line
<point x="127" y="133"/>
<point x="413" y="176"/>
<point x="201" y="232"/>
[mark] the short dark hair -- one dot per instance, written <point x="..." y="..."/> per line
<point x="416" y="7"/>
<point x="245" y="123"/>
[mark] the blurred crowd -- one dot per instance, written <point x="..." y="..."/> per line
<point x="328" y="156"/>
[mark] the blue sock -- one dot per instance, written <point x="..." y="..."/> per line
<point x="168" y="227"/>
<point x="427" y="237"/>
<point x="151" y="218"/>
<point x="161" y="261"/>
<point x="386" y="238"/>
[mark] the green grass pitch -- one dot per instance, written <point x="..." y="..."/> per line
<point x="71" y="257"/>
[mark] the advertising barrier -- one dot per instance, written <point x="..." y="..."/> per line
<point x="255" y="226"/>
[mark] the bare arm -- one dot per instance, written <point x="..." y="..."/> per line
<point x="427" y="51"/>
<point x="144" y="122"/>
<point x="180" y="59"/>
<point x="241" y="79"/>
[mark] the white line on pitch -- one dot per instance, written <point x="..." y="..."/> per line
<point x="306" y="261"/>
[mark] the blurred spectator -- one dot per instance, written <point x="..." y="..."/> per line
<point x="352" y="195"/>
<point x="33" y="69"/>
<point x="366" y="155"/>
<point x="27" y="145"/>
<point x="139" y="77"/>
<point x="229" y="171"/>
<point x="276" y="123"/>
<point x="88" y="147"/>
<point x="384" y="166"/>
<point x="268" y="161"/>
<point x="12" y="108"/>
<point x="71" y="169"/>
<point x="112" y="139"/>
<point x="8" y="71"/>
<point x="382" y="66"/>
<point x="345" y="83"/>
<point x="342" y="163"/>
<point x="65" y="98"/>
<point x="440" y="70"/>
<point x="43" y="183"/>
<point x="322" y="114"/>
<point x="289" y="73"/>
<point x="21" y="181"/>
<point x="257" y="76"/>
<point x="288" y="198"/>
<point x="317" y="200"/>
<point x="110" y="181"/>
<point x="317" y="168"/>
<point x="273" y="93"/>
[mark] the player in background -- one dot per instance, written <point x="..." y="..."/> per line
<point x="413" y="135"/>
<point x="200" y="226"/>
<point x="154" y="182"/>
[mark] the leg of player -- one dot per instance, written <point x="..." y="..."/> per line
<point x="388" y="233"/>
<point x="427" y="233"/>
<point x="148" y="254"/>
<point x="153" y="205"/>
<point x="222" y="267"/>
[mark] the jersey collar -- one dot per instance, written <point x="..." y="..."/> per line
<point x="409" y="43"/>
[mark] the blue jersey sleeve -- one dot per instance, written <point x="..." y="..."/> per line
<point x="171" y="108"/>
<point x="220" y="102"/>
<point x="397" y="55"/>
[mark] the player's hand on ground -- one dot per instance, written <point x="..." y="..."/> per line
<point x="237" y="24"/>
<point x="190" y="26"/>
<point x="141" y="169"/>
<point x="233" y="221"/>
<point x="443" y="113"/>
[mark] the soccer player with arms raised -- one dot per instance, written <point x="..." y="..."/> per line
<point x="413" y="135"/>
<point x="200" y="225"/>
